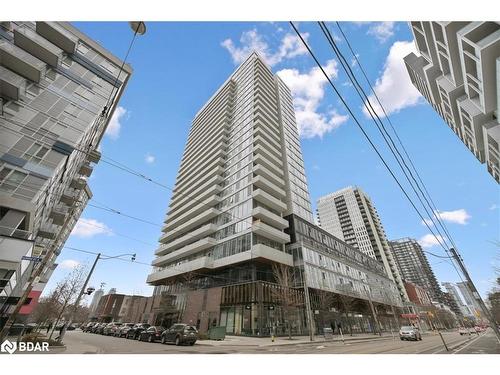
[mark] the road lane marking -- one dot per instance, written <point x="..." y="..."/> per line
<point x="471" y="342"/>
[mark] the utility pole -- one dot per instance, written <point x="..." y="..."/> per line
<point x="374" y="313"/>
<point x="475" y="293"/>
<point x="77" y="302"/>
<point x="306" y="298"/>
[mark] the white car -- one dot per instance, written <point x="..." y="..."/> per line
<point x="410" y="333"/>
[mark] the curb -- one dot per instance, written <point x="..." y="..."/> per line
<point x="260" y="345"/>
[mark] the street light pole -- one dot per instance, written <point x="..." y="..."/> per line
<point x="82" y="291"/>
<point x="306" y="296"/>
<point x="374" y="313"/>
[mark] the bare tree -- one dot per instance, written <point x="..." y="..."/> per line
<point x="286" y="295"/>
<point x="67" y="290"/>
<point x="45" y="311"/>
<point x="326" y="301"/>
<point x="345" y="304"/>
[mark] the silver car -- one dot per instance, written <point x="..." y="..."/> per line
<point x="410" y="333"/>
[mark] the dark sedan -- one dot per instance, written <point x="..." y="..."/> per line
<point x="134" y="332"/>
<point x="152" y="334"/>
<point x="99" y="328"/>
<point x="180" y="334"/>
<point x="122" y="331"/>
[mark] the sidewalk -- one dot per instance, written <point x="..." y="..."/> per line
<point x="280" y="341"/>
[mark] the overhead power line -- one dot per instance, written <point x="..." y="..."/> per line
<point x="434" y="215"/>
<point x="365" y="134"/>
<point x="381" y="128"/>
<point x="432" y="204"/>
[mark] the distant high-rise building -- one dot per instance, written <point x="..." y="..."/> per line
<point x="350" y="215"/>
<point x="458" y="72"/>
<point x="451" y="302"/>
<point x="95" y="300"/>
<point x="414" y="267"/>
<point x="112" y="291"/>
<point x="55" y="85"/>
<point x="469" y="299"/>
<point x="455" y="294"/>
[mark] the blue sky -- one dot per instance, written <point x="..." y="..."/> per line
<point x="178" y="66"/>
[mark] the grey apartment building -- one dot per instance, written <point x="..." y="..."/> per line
<point x="240" y="187"/>
<point x="54" y="88"/>
<point x="457" y="70"/>
<point x="350" y="216"/>
<point x="414" y="267"/>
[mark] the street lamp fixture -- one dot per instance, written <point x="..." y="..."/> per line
<point x="138" y="27"/>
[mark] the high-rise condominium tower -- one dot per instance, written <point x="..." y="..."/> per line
<point x="241" y="205"/>
<point x="454" y="293"/>
<point x="54" y="86"/>
<point x="414" y="267"/>
<point x="240" y="173"/>
<point x="458" y="72"/>
<point x="469" y="299"/>
<point x="350" y="215"/>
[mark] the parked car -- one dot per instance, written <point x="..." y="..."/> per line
<point x="152" y="334"/>
<point x="410" y="333"/>
<point x="478" y="329"/>
<point x="463" y="331"/>
<point x="133" y="333"/>
<point x="88" y="327"/>
<point x="122" y="331"/>
<point x="109" y="330"/>
<point x="100" y="328"/>
<point x="97" y="327"/>
<point x="180" y="334"/>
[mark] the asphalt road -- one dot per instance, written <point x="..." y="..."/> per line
<point x="87" y="343"/>
<point x="486" y="344"/>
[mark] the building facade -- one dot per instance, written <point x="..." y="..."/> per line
<point x="58" y="91"/>
<point x="240" y="189"/>
<point x="414" y="267"/>
<point x="243" y="163"/>
<point x="455" y="294"/>
<point x="417" y="294"/>
<point x="457" y="70"/>
<point x="470" y="302"/>
<point x="95" y="301"/>
<point x="350" y="215"/>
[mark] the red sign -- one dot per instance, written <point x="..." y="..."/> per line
<point x="28" y="309"/>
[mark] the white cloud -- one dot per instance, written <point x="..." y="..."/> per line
<point x="458" y="216"/>
<point x="308" y="91"/>
<point x="86" y="228"/>
<point x="429" y="240"/>
<point x="150" y="159"/>
<point x="382" y="30"/>
<point x="354" y="60"/>
<point x="428" y="222"/>
<point x="69" y="264"/>
<point x="290" y="47"/>
<point x="115" y="124"/>
<point x="394" y="87"/>
<point x="493" y="207"/>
